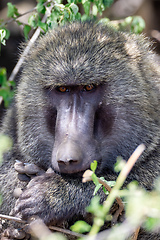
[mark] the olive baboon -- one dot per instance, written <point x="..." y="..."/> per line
<point x="87" y="92"/>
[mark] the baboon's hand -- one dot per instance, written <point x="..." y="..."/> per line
<point x="26" y="171"/>
<point x="35" y="199"/>
<point x="49" y="197"/>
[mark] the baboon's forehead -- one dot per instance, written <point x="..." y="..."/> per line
<point x="81" y="52"/>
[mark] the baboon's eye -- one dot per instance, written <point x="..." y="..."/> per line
<point x="89" y="87"/>
<point x="62" y="89"/>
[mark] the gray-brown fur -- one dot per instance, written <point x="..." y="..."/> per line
<point x="83" y="54"/>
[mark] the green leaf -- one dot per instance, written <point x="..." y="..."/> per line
<point x="119" y="165"/>
<point x="5" y="90"/>
<point x="73" y="1"/>
<point x="86" y="7"/>
<point x="32" y="21"/>
<point x="19" y="23"/>
<point x="104" y="20"/>
<point x="78" y="16"/>
<point x="94" y="10"/>
<point x="96" y="208"/>
<point x="93" y="165"/>
<point x="3" y="36"/>
<point x="7" y="33"/>
<point x="66" y="14"/>
<point x="138" y="24"/>
<point x="12" y="83"/>
<point x="12" y="10"/>
<point x="42" y="25"/>
<point x="152" y="223"/>
<point x="26" y="31"/>
<point x="85" y="17"/>
<point x="3" y="76"/>
<point x="96" y="189"/>
<point x="94" y="205"/>
<point x="80" y="227"/>
<point x="41" y="8"/>
<point x="74" y="8"/>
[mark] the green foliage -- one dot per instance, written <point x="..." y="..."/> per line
<point x="6" y="89"/>
<point x="81" y="227"/>
<point x="12" y="11"/>
<point x="134" y="24"/>
<point x="119" y="165"/>
<point x="4" y="35"/>
<point x="26" y="30"/>
<point x="94" y="165"/>
<point x="141" y="207"/>
<point x="59" y="13"/>
<point x="137" y="24"/>
<point x="96" y="182"/>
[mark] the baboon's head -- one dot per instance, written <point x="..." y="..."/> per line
<point x="80" y="98"/>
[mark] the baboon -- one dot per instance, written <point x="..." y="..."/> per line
<point x="87" y="92"/>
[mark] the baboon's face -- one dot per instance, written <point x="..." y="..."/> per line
<point x="80" y="99"/>
<point x="79" y="124"/>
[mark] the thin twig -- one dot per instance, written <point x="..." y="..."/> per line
<point x="123" y="175"/>
<point x="25" y="13"/>
<point x="118" y="199"/>
<point x="66" y="231"/>
<point x="11" y="218"/>
<point x="135" y="235"/>
<point x="19" y="16"/>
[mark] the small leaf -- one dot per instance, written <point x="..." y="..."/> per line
<point x="96" y="208"/>
<point x="66" y="14"/>
<point x="138" y="24"/>
<point x="41" y="8"/>
<point x="94" y="10"/>
<point x="42" y="25"/>
<point x="3" y="77"/>
<point x="80" y="227"/>
<point x="12" y="10"/>
<point x="119" y="165"/>
<point x="78" y="16"/>
<point x="74" y="8"/>
<point x="86" y="7"/>
<point x="93" y="165"/>
<point x="3" y="36"/>
<point x="152" y="223"/>
<point x="97" y="188"/>
<point x="26" y="31"/>
<point x="32" y="21"/>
